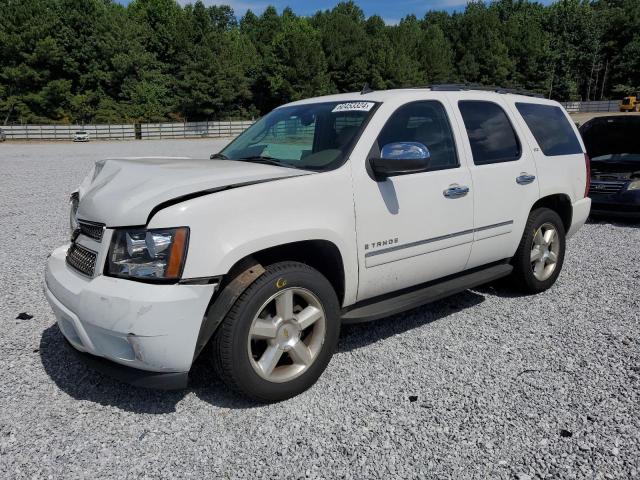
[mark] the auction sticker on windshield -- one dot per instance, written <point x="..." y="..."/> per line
<point x="354" y="107"/>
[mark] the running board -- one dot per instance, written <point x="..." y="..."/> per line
<point x="435" y="291"/>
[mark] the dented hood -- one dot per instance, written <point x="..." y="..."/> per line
<point x="126" y="191"/>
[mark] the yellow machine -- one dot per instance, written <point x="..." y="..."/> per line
<point x="629" y="104"/>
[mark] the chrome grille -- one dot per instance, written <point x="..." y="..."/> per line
<point x="605" y="188"/>
<point x="91" y="230"/>
<point x="81" y="259"/>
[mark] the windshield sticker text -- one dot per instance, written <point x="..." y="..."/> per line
<point x="353" y="107"/>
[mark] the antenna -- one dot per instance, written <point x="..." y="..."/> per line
<point x="366" y="89"/>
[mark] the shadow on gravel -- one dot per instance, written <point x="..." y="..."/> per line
<point x="360" y="335"/>
<point x="83" y="383"/>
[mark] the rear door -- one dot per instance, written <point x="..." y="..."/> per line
<point x="504" y="177"/>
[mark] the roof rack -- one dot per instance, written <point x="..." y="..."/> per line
<point x="457" y="87"/>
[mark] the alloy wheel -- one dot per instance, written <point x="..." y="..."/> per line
<point x="545" y="251"/>
<point x="287" y="334"/>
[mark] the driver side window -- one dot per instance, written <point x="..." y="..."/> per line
<point x="425" y="122"/>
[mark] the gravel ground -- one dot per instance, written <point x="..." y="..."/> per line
<point x="484" y="384"/>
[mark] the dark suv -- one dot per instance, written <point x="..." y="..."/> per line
<point x="613" y="146"/>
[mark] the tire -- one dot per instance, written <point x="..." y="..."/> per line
<point x="534" y="276"/>
<point x="256" y="331"/>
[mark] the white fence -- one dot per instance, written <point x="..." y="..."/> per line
<point x="67" y="132"/>
<point x="127" y="131"/>
<point x="194" y="129"/>
<point x="592" y="106"/>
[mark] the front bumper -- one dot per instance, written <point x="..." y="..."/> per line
<point x="147" y="327"/>
<point x="622" y="204"/>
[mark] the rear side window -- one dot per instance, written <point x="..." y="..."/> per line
<point x="550" y="128"/>
<point x="491" y="135"/>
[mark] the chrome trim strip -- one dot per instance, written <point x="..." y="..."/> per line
<point x="202" y="281"/>
<point x="495" y="225"/>
<point x="436" y="239"/>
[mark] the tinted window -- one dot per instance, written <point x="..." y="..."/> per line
<point x="427" y="123"/>
<point x="491" y="135"/>
<point x="551" y="129"/>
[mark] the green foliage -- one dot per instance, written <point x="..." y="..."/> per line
<point x="97" y="61"/>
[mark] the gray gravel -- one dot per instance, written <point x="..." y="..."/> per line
<point x="503" y="386"/>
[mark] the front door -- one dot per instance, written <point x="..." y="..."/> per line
<point x="416" y="227"/>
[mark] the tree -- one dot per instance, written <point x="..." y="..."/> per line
<point x="296" y="66"/>
<point x="96" y="60"/>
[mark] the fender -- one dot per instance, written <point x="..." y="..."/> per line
<point x="234" y="224"/>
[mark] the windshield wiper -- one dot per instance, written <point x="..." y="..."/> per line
<point x="265" y="160"/>
<point x="220" y="156"/>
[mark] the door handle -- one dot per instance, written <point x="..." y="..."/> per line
<point x="456" y="191"/>
<point x="525" y="179"/>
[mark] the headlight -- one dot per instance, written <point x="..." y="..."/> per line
<point x="635" y="185"/>
<point x="157" y="254"/>
<point x="73" y="213"/>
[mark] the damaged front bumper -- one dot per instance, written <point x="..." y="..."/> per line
<point x="146" y="332"/>
<point x="625" y="204"/>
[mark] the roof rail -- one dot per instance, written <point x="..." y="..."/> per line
<point x="457" y="87"/>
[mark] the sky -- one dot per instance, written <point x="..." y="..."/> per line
<point x="391" y="10"/>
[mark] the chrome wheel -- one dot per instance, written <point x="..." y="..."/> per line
<point x="545" y="251"/>
<point x="286" y="335"/>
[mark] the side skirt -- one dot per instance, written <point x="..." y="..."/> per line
<point x="390" y="304"/>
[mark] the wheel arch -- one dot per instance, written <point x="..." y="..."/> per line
<point x="559" y="203"/>
<point x="323" y="255"/>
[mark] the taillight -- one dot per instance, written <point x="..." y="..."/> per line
<point x="587" y="164"/>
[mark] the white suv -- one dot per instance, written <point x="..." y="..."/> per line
<point x="337" y="209"/>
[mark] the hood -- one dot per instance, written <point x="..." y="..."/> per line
<point x="612" y="135"/>
<point x="613" y="146"/>
<point x="127" y="191"/>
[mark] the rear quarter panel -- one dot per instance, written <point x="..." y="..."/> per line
<point x="561" y="174"/>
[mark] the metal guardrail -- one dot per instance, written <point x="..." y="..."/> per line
<point x="128" y="131"/>
<point x="592" y="106"/>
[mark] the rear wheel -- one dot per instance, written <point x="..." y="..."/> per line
<point x="540" y="255"/>
<point x="280" y="334"/>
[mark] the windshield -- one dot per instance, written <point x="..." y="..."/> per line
<point x="314" y="136"/>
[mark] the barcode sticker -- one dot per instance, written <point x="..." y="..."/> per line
<point x="354" y="107"/>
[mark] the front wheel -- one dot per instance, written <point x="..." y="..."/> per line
<point x="280" y="334"/>
<point x="540" y="255"/>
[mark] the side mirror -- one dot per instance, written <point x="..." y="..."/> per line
<point x="399" y="158"/>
